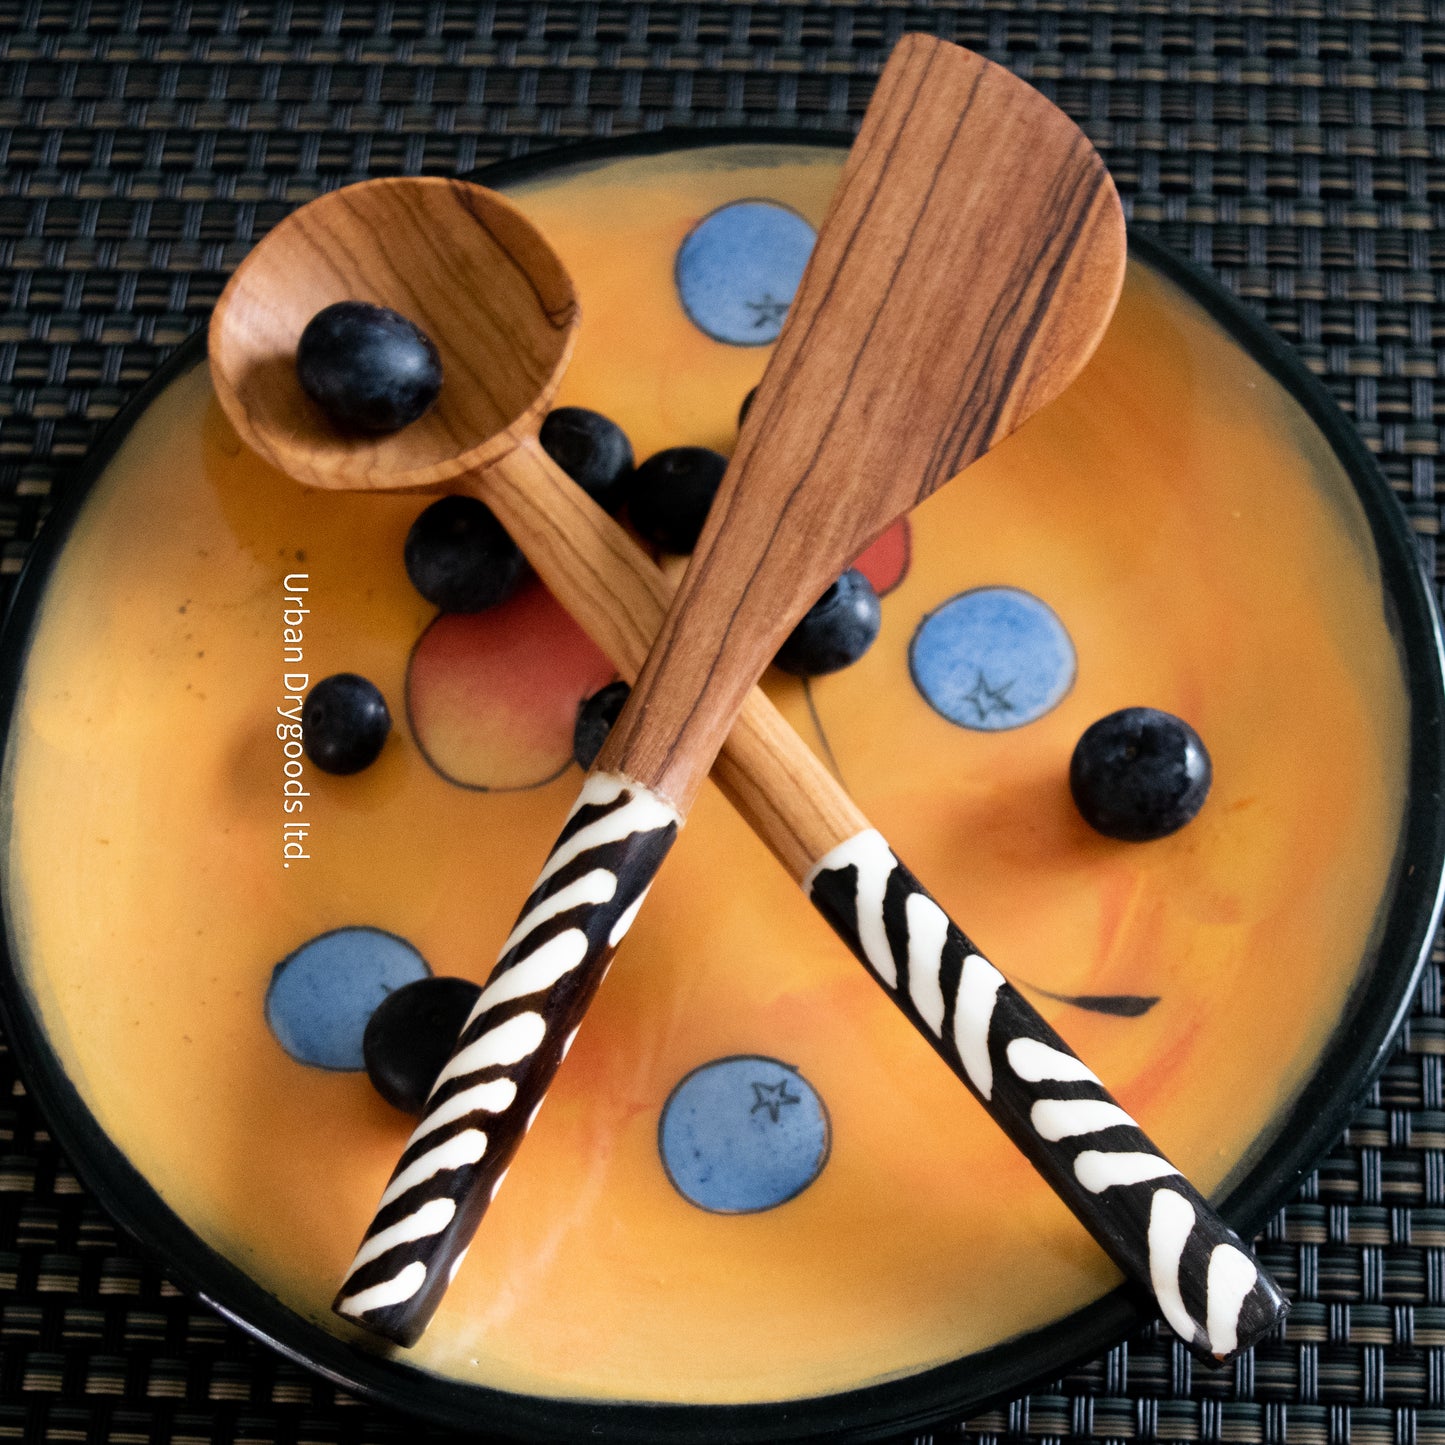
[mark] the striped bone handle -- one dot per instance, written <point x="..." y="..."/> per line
<point x="1151" y="1221"/>
<point x="487" y="1095"/>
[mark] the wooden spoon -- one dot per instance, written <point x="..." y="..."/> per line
<point x="332" y="248"/>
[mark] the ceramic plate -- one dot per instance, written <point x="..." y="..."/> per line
<point x="756" y="1205"/>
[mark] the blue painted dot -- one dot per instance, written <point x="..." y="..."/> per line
<point x="992" y="659"/>
<point x="738" y="269"/>
<point x="743" y="1134"/>
<point x="321" y="996"/>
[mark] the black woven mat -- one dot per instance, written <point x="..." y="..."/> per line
<point x="1297" y="150"/>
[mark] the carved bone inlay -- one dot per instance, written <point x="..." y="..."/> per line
<point x="487" y="1095"/>
<point x="1153" y="1223"/>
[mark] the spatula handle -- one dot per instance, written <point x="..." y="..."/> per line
<point x="1150" y="1220"/>
<point x="487" y="1095"/>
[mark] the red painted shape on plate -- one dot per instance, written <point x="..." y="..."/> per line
<point x="492" y="696"/>
<point x="885" y="562"/>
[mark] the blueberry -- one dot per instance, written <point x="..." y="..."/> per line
<point x="369" y="369"/>
<point x="836" y="630"/>
<point x="1139" y="774"/>
<point x="670" y="493"/>
<point x="595" y="716"/>
<point x="344" y="722"/>
<point x="460" y="558"/>
<point x="592" y="450"/>
<point x="410" y="1035"/>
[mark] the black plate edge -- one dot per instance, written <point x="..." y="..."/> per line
<point x="888" y="1407"/>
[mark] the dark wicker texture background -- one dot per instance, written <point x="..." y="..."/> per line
<point x="1295" y="150"/>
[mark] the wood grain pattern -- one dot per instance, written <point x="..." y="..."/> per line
<point x="891" y="370"/>
<point x="346" y="246"/>
<point x="456" y="258"/>
<point x="619" y="596"/>
<point x="965" y="271"/>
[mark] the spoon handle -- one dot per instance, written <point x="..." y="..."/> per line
<point x="920" y="957"/>
<point x="1147" y="1216"/>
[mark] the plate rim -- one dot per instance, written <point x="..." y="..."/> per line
<point x="1374" y="1012"/>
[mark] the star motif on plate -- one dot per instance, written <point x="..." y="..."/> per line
<point x="767" y="312"/>
<point x="772" y="1097"/>
<point x="990" y="700"/>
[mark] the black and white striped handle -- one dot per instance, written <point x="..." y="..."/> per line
<point x="1146" y="1215"/>
<point x="1152" y="1222"/>
<point x="486" y="1097"/>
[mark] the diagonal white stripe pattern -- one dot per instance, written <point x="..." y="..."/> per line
<point x="874" y="860"/>
<point x="978" y="988"/>
<point x="593" y="888"/>
<point x="394" y="1291"/>
<point x="1231" y="1277"/>
<point x="927" y="934"/>
<point x="1171" y="1218"/>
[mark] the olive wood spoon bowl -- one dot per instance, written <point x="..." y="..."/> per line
<point x="465" y="239"/>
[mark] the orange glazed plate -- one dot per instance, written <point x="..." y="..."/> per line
<point x="757" y="1206"/>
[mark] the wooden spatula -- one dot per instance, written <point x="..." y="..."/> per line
<point x="965" y="271"/>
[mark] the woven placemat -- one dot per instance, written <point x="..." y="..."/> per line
<point x="1295" y="150"/>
